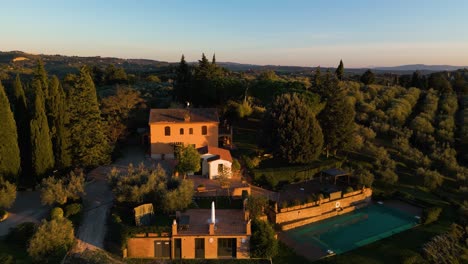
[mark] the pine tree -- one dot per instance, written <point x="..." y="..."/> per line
<point x="41" y="144"/>
<point x="22" y="122"/>
<point x="340" y="71"/>
<point x="58" y="117"/>
<point x="337" y="122"/>
<point x="213" y="61"/>
<point x="203" y="63"/>
<point x="88" y="143"/>
<point x="9" y="151"/>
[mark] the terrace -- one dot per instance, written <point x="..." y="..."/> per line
<point x="228" y="222"/>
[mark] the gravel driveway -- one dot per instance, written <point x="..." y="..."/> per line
<point x="27" y="208"/>
<point x="97" y="202"/>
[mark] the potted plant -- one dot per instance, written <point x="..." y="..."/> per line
<point x="201" y="187"/>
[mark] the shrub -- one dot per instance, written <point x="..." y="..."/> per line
<point x="284" y="204"/>
<point x="432" y="179"/>
<point x="51" y="241"/>
<point x="235" y="165"/>
<point x="431" y="215"/>
<point x="7" y="194"/>
<point x="251" y="163"/>
<point x="296" y="202"/>
<point x="365" y="177"/>
<point x="72" y="209"/>
<point x="349" y="189"/>
<point x="56" y="213"/>
<point x="58" y="191"/>
<point x="6" y="259"/>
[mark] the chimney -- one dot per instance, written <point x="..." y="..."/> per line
<point x="187" y="116"/>
<point x="211" y="229"/>
<point x="174" y="227"/>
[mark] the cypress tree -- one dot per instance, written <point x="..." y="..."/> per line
<point x="58" y="117"/>
<point x="89" y="145"/>
<point x="41" y="144"/>
<point x="22" y="122"/>
<point x="317" y="76"/>
<point x="182" y="85"/>
<point x="340" y="71"/>
<point x="213" y="61"/>
<point x="9" y="150"/>
<point x="294" y="129"/>
<point x="41" y="75"/>
<point x="337" y="122"/>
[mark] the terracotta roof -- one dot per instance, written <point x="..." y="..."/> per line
<point x="178" y="115"/>
<point x="219" y="153"/>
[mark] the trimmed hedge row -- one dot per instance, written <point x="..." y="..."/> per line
<point x="275" y="178"/>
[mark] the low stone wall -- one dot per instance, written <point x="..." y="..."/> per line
<point x="323" y="209"/>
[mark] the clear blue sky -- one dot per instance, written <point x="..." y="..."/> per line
<point x="310" y="33"/>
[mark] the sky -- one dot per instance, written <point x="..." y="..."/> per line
<point x="288" y="32"/>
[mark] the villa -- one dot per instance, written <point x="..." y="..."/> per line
<point x="170" y="128"/>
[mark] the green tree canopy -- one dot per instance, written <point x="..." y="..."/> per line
<point x="263" y="243"/>
<point x="7" y="193"/>
<point x="188" y="159"/>
<point x="182" y="88"/>
<point x="340" y="71"/>
<point x="88" y="142"/>
<point x="22" y="122"/>
<point x="179" y="198"/>
<point x="41" y="144"/>
<point x="9" y="151"/>
<point x="292" y="125"/>
<point x="337" y="122"/>
<point x="58" y="118"/>
<point x="137" y="184"/>
<point x="51" y="241"/>
<point x="59" y="190"/>
<point x="368" y="77"/>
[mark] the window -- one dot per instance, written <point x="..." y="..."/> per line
<point x="167" y="131"/>
<point x="199" y="248"/>
<point x="227" y="247"/>
<point x="190" y="131"/>
<point x="220" y="168"/>
<point x="204" y="130"/>
<point x="181" y="131"/>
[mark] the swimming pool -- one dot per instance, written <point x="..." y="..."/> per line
<point x="346" y="232"/>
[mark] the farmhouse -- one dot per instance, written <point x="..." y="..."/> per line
<point x="170" y="128"/>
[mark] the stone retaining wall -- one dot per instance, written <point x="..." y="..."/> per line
<point x="304" y="214"/>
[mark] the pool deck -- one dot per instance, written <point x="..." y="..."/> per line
<point x="314" y="252"/>
<point x="308" y="250"/>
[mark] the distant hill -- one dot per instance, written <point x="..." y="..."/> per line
<point x="421" y="67"/>
<point x="59" y="64"/>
